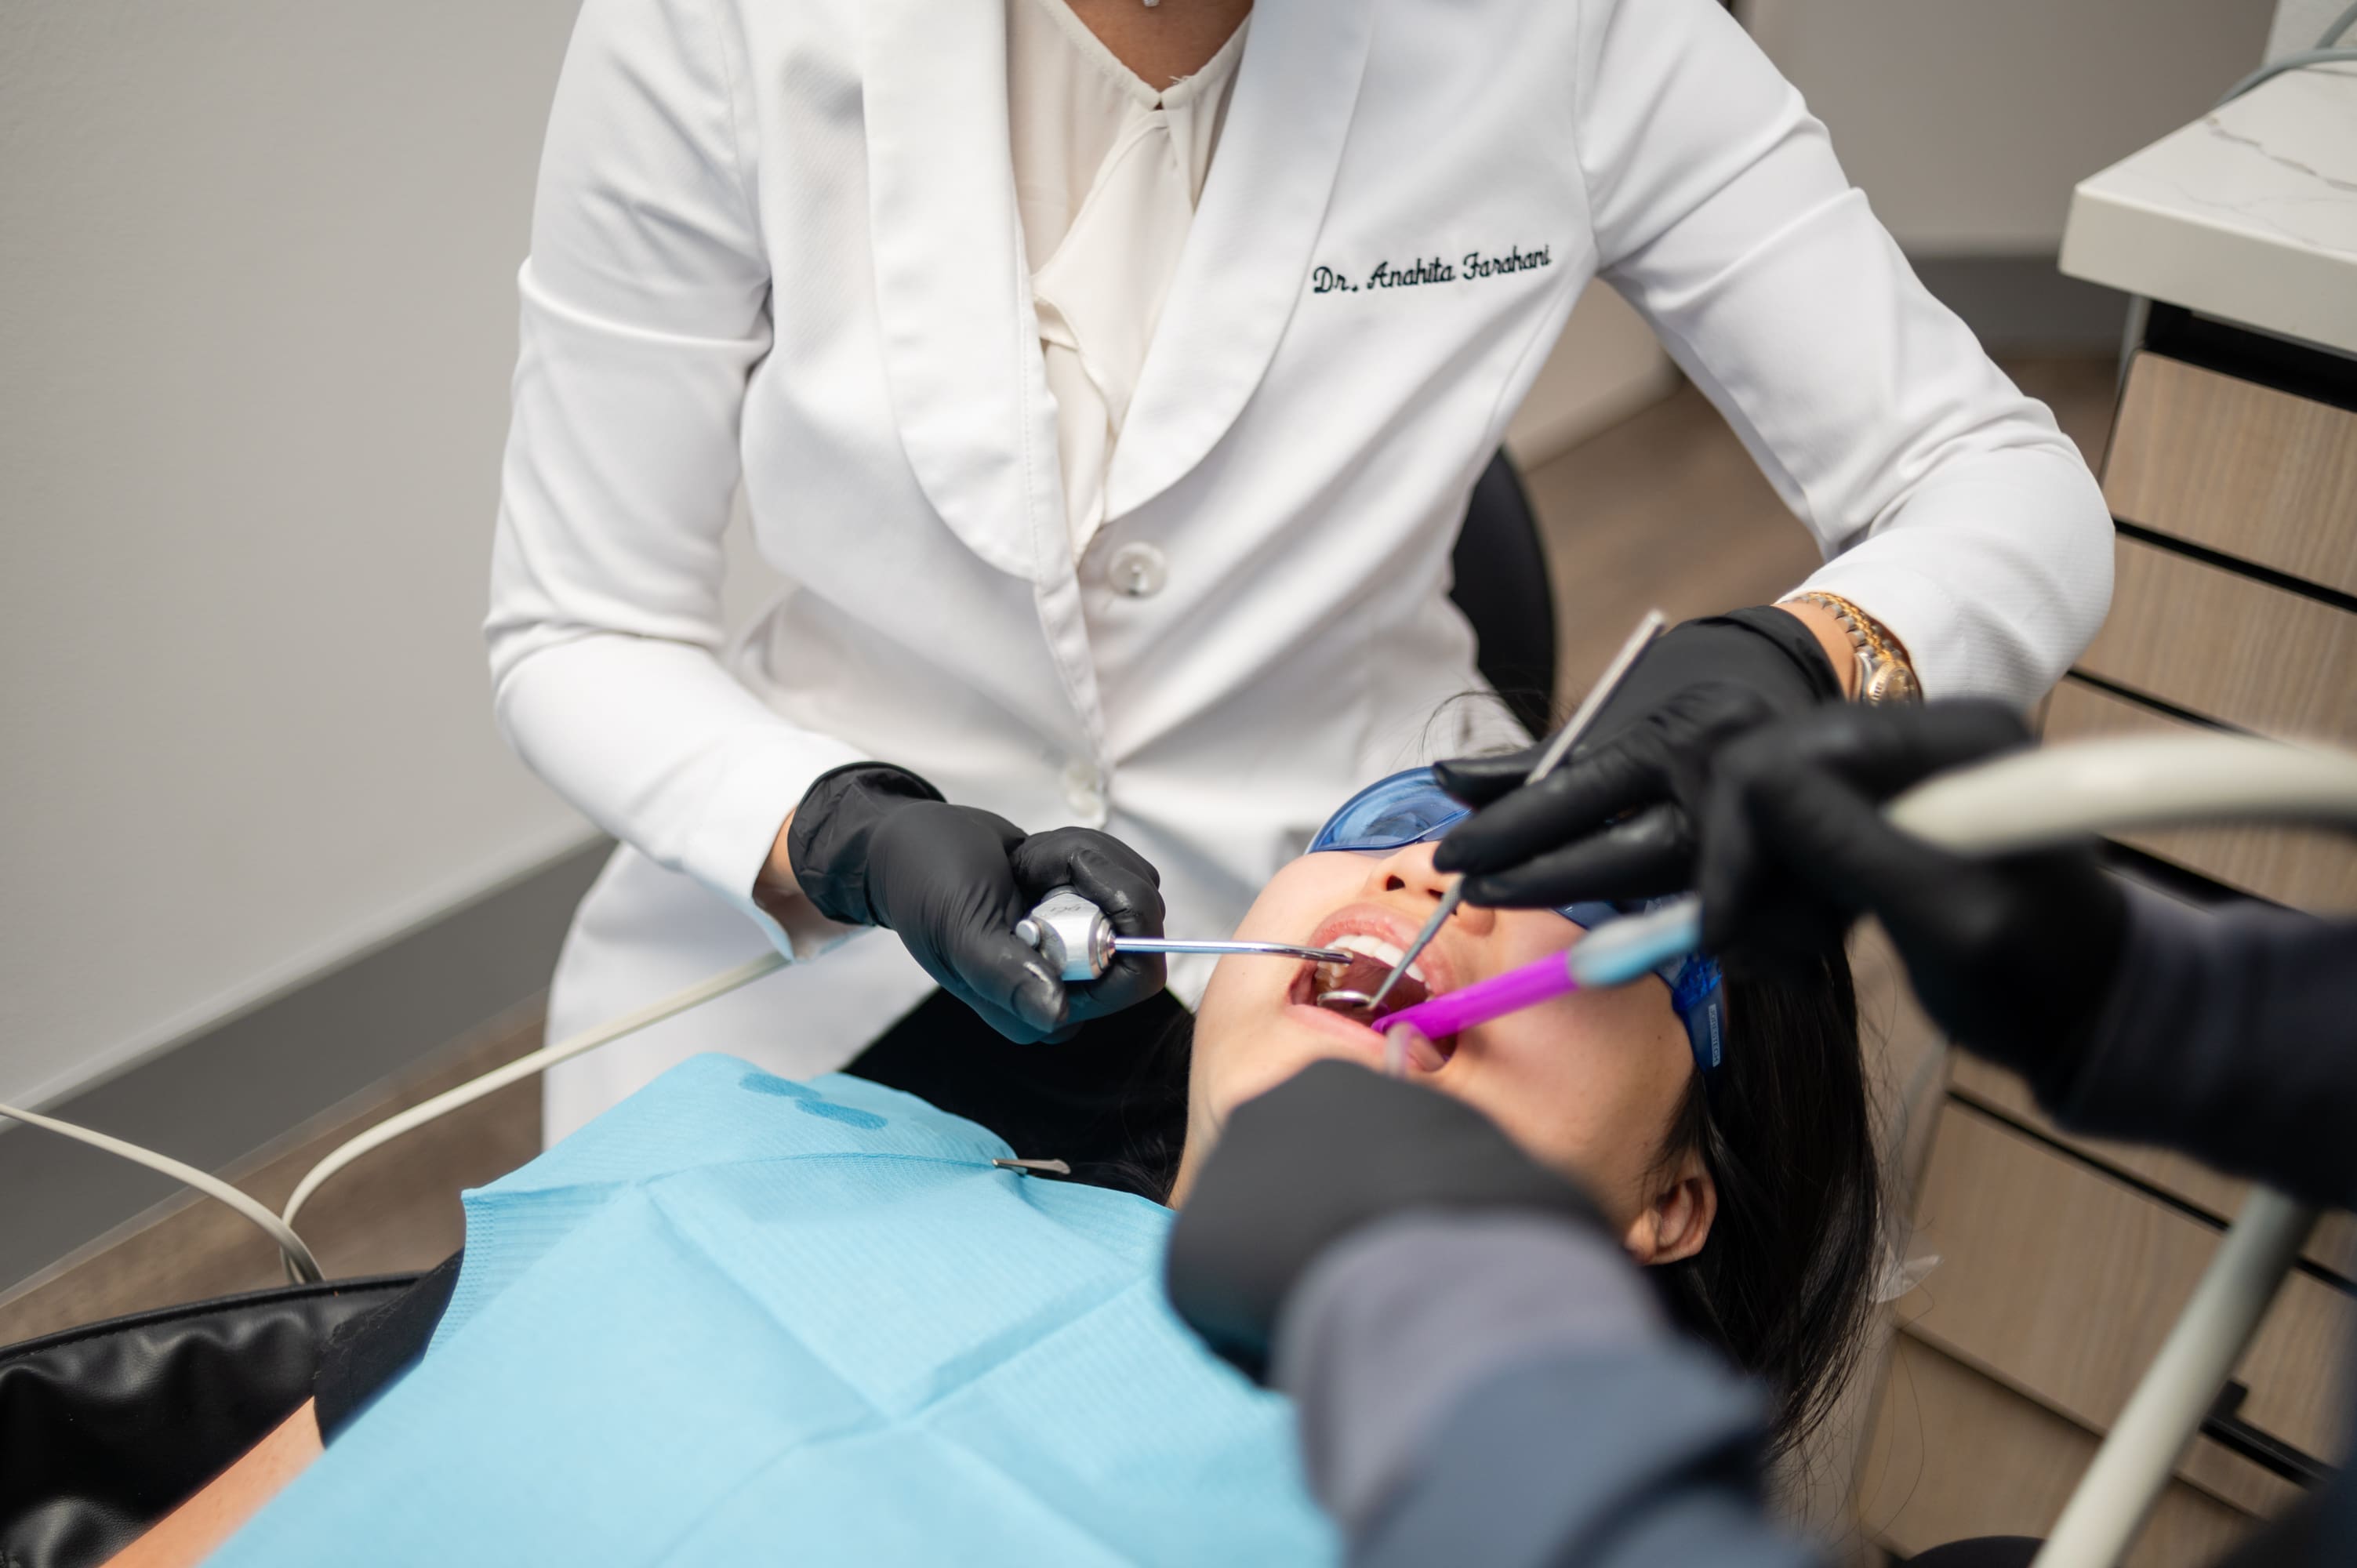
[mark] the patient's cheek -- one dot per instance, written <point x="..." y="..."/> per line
<point x="1304" y="891"/>
<point x="1588" y="1086"/>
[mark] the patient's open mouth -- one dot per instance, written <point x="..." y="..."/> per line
<point x="1372" y="959"/>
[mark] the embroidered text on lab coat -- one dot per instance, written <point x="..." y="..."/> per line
<point x="1432" y="269"/>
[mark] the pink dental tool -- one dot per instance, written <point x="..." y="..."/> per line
<point x="1493" y="998"/>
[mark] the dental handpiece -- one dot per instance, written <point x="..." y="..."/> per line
<point x="1073" y="935"/>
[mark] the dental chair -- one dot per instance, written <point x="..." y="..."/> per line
<point x="105" y="1428"/>
<point x="1502" y="585"/>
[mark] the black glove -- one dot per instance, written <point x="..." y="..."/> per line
<point x="1331" y="1149"/>
<point x="1619" y="819"/>
<point x="876" y="845"/>
<point x="2012" y="956"/>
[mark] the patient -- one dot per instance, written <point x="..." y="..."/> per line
<point x="736" y="1310"/>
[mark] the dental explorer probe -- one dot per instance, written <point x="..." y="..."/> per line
<point x="1558" y="749"/>
<point x="1073" y="935"/>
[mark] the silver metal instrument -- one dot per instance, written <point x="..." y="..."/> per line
<point x="1080" y="943"/>
<point x="1558" y="749"/>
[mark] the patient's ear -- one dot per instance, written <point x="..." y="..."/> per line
<point x="1675" y="1224"/>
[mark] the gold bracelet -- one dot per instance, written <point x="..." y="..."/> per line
<point x="1885" y="672"/>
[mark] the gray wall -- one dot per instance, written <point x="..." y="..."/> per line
<point x="1968" y="123"/>
<point x="257" y="314"/>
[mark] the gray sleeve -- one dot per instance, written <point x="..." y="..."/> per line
<point x="1505" y="1389"/>
<point x="2230" y="1034"/>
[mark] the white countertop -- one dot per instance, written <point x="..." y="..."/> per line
<point x="2249" y="213"/>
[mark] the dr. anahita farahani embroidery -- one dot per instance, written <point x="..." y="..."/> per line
<point x="1432" y="270"/>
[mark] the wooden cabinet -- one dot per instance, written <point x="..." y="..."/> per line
<point x="2062" y="1262"/>
<point x="2176" y="1178"/>
<point x="2060" y="1281"/>
<point x="1954" y="1453"/>
<point x="2228" y="464"/>
<point x="2227" y="648"/>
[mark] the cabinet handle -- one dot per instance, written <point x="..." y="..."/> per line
<point x="2224" y="1427"/>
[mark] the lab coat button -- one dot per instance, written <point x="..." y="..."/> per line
<point x="1084" y="793"/>
<point x="1139" y="570"/>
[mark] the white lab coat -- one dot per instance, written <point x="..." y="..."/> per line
<point x="777" y="243"/>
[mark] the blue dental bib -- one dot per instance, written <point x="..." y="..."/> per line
<point x="739" y="1319"/>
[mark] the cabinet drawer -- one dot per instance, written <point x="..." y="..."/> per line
<point x="1953" y="1454"/>
<point x="2308" y="868"/>
<point x="2228" y="647"/>
<point x="2238" y="467"/>
<point x="2062" y="1282"/>
<point x="2333" y="1244"/>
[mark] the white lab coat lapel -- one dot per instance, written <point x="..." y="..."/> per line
<point x="1248" y="255"/>
<point x="960" y="345"/>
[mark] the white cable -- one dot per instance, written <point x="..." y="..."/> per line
<point x="2061" y="793"/>
<point x="523" y="1067"/>
<point x="2321" y="52"/>
<point x="304" y="1267"/>
<point x="2107" y="1510"/>
<point x="2299" y="61"/>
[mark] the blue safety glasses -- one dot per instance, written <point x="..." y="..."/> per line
<point x="1412" y="808"/>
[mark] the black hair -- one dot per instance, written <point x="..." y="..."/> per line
<point x="1157" y="1137"/>
<point x="1784" y="1282"/>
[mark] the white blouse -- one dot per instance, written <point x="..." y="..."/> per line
<point x="1107" y="174"/>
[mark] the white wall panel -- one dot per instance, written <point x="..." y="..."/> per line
<point x="257" y="316"/>
<point x="1966" y="125"/>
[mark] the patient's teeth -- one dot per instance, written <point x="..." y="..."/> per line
<point x="1382" y="951"/>
<point x="1374" y="947"/>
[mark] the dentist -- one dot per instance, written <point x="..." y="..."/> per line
<point x="1107" y="382"/>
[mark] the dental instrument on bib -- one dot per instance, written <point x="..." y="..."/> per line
<point x="1558" y="749"/>
<point x="1080" y="943"/>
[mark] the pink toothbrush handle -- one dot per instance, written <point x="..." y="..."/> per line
<point x="1509" y="993"/>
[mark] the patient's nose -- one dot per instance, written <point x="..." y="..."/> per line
<point x="1410" y="870"/>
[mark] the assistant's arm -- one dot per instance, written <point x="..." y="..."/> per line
<point x="1503" y="1390"/>
<point x="2231" y="1035"/>
<point x="1950" y="506"/>
<point x="644" y="308"/>
<point x="2227" y="1034"/>
<point x="1484" y="1377"/>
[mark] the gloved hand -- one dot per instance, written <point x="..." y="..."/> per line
<point x="1618" y="818"/>
<point x="876" y="845"/>
<point x="1332" y="1148"/>
<point x="2012" y="956"/>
